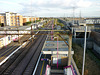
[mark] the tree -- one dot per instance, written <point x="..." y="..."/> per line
<point x="28" y="23"/>
<point x="0" y="24"/>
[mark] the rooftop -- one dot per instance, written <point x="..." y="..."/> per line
<point x="50" y="47"/>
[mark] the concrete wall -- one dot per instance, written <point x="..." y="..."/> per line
<point x="90" y="45"/>
<point x="80" y="41"/>
<point x="96" y="48"/>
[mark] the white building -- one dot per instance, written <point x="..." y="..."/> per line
<point x="93" y="21"/>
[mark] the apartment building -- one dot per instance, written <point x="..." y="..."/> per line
<point x="29" y="18"/>
<point x="2" y="19"/>
<point x="11" y="19"/>
<point x="25" y="19"/>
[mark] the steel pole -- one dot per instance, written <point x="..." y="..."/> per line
<point x="84" y="50"/>
<point x="57" y="51"/>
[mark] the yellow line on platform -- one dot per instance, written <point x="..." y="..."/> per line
<point x="43" y="65"/>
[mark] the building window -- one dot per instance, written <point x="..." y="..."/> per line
<point x="18" y="23"/>
<point x="17" y="20"/>
<point x="17" y="17"/>
<point x="8" y="38"/>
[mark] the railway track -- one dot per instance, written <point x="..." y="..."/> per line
<point x="24" y="60"/>
<point x="7" y="48"/>
<point x="6" y="51"/>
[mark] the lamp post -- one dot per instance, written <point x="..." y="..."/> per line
<point x="84" y="50"/>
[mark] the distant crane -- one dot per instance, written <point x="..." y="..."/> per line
<point x="80" y="15"/>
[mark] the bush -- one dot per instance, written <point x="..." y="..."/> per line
<point x="28" y="22"/>
<point x="31" y="22"/>
<point x="0" y="24"/>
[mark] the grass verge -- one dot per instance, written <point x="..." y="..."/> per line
<point x="92" y="64"/>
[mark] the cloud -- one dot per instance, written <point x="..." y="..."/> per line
<point x="58" y="3"/>
<point x="97" y="4"/>
<point x="83" y="3"/>
<point x="10" y="6"/>
<point x="43" y="5"/>
<point x="46" y="6"/>
<point x="49" y="6"/>
<point x="63" y="3"/>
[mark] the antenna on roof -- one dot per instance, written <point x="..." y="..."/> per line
<point x="73" y="14"/>
<point x="80" y="17"/>
<point x="31" y="13"/>
<point x="80" y="14"/>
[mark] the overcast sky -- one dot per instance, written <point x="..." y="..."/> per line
<point x="52" y="8"/>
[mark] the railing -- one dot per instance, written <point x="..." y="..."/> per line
<point x="89" y="28"/>
<point x="47" y="70"/>
<point x="71" y="69"/>
<point x="74" y="65"/>
<point x="82" y="28"/>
